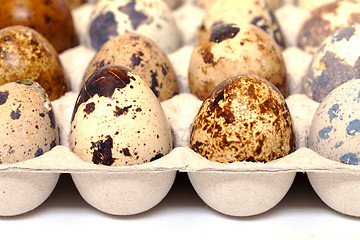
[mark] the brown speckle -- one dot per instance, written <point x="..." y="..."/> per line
<point x="103" y="83"/>
<point x="15" y="115"/>
<point x="103" y="151"/>
<point x="136" y="17"/>
<point x="89" y="108"/>
<point x="3" y="97"/>
<point x="120" y="111"/>
<point x="221" y="32"/>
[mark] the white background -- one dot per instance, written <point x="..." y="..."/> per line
<point x="181" y="215"/>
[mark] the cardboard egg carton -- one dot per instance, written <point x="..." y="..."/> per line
<point x="236" y="189"/>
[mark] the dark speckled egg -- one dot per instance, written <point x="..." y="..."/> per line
<point x="151" y="18"/>
<point x="257" y="13"/>
<point x="335" y="128"/>
<point x="336" y="62"/>
<point x="51" y="18"/>
<point x="244" y="119"/>
<point x="28" y="128"/>
<point x="143" y="57"/>
<point x="117" y="120"/>
<point x="324" y="20"/>
<point x="232" y="49"/>
<point x="26" y="54"/>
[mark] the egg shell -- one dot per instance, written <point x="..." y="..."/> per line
<point x="324" y="21"/>
<point x="143" y="57"/>
<point x="335" y="127"/>
<point x="311" y="5"/>
<point x="28" y="128"/>
<point x="52" y="19"/>
<point x="229" y="50"/>
<point x="25" y="54"/>
<point x="245" y="118"/>
<point x="117" y="120"/>
<point x="151" y="18"/>
<point x="336" y="62"/>
<point x="255" y="12"/>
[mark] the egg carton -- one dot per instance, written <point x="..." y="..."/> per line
<point x="114" y="190"/>
<point x="236" y="189"/>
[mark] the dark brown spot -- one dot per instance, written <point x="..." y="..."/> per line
<point x="103" y="151"/>
<point x="164" y="69"/>
<point x="228" y="116"/>
<point x="136" y="17"/>
<point x="126" y="152"/>
<point x="221" y="32"/>
<point x="120" y="111"/>
<point x="39" y="152"/>
<point x="103" y="83"/>
<point x="138" y="110"/>
<point x="135" y="60"/>
<point x="157" y="156"/>
<point x="154" y="83"/>
<point x="3" y="97"/>
<point x="52" y="119"/>
<point x="251" y="92"/>
<point x="7" y="38"/>
<point x="34" y="42"/>
<point x="53" y="144"/>
<point x="47" y="18"/>
<point x="101" y="28"/>
<point x="15" y="115"/>
<point x="42" y="115"/>
<point x="89" y="108"/>
<point x="208" y="56"/>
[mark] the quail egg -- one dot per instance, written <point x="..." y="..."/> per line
<point x="257" y="13"/>
<point x="28" y="128"/>
<point x="117" y="120"/>
<point x="324" y="21"/>
<point x="25" y="54"/>
<point x="232" y="49"/>
<point x="143" y="57"/>
<point x="51" y="18"/>
<point x="336" y="62"/>
<point x="151" y="18"/>
<point x="245" y="118"/>
<point x="335" y="128"/>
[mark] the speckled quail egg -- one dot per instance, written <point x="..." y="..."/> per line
<point x="311" y="4"/>
<point x="143" y="57"/>
<point x="208" y="3"/>
<point x="335" y="128"/>
<point x="336" y="62"/>
<point x="25" y="54"/>
<point x="28" y="128"/>
<point x="255" y="12"/>
<point x="117" y="120"/>
<point x="172" y="4"/>
<point x="245" y="118"/>
<point x="151" y="18"/>
<point x="229" y="50"/>
<point x="324" y="21"/>
<point x="51" y="18"/>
